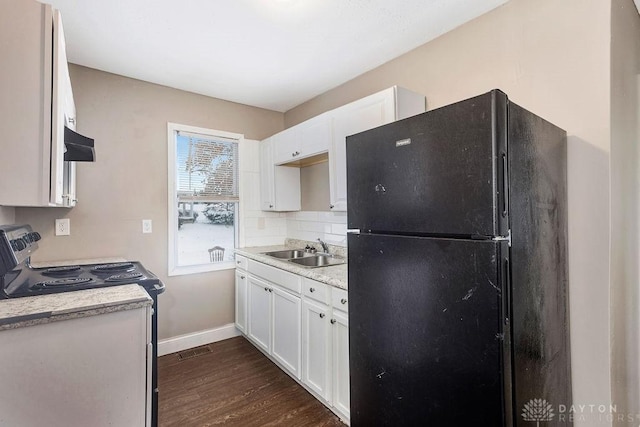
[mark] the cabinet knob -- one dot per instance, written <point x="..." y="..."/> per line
<point x="333" y="321"/>
<point x="238" y="262"/>
<point x="266" y="289"/>
<point x="312" y="289"/>
<point x="343" y="301"/>
<point x="331" y="206"/>
<point x="322" y="315"/>
<point x="270" y="206"/>
<point x="242" y="277"/>
<point x="270" y="290"/>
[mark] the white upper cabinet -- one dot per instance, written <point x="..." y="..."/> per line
<point x="324" y="137"/>
<point x="303" y="141"/>
<point x="279" y="185"/>
<point x="35" y="105"/>
<point x="367" y="113"/>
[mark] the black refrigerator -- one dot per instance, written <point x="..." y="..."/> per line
<point x="457" y="249"/>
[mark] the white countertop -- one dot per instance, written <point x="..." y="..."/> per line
<point x="335" y="275"/>
<point x="38" y="309"/>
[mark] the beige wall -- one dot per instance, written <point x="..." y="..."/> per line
<point x="7" y="215"/>
<point x="551" y="57"/>
<point x="128" y="182"/>
<point x="625" y="205"/>
<point x="314" y="187"/>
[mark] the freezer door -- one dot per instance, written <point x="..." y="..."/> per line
<point x="427" y="332"/>
<point x="437" y="173"/>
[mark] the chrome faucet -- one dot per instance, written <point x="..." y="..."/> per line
<point x="325" y="248"/>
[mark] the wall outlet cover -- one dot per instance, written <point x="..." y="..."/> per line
<point x="63" y="227"/>
<point x="147" y="226"/>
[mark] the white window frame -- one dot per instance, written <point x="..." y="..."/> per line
<point x="174" y="269"/>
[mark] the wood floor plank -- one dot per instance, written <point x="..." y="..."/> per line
<point x="234" y="385"/>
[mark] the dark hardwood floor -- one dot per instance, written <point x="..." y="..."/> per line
<point x="234" y="385"/>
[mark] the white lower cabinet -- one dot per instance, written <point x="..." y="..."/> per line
<point x="259" y="313"/>
<point x="286" y="330"/>
<point x="316" y="348"/>
<point x="274" y="323"/>
<point x="303" y="326"/>
<point x="241" y="301"/>
<point x="78" y="372"/>
<point x="340" y="324"/>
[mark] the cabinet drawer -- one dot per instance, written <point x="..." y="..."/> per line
<point x="315" y="290"/>
<point x="241" y="262"/>
<point x="339" y="299"/>
<point x="282" y="278"/>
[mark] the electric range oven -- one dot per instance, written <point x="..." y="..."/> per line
<point x="18" y="279"/>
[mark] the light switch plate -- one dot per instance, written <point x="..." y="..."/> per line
<point x="147" y="226"/>
<point x="63" y="227"/>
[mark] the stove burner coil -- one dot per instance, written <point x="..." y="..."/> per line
<point x="108" y="268"/>
<point x="61" y="270"/>
<point x="72" y="281"/>
<point x="124" y="276"/>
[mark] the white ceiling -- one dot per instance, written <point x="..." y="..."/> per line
<point x="274" y="54"/>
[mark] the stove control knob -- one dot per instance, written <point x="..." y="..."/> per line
<point x="20" y="245"/>
<point x="35" y="236"/>
<point x="26" y="238"/>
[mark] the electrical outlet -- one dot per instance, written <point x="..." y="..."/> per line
<point x="63" y="227"/>
<point x="147" y="226"/>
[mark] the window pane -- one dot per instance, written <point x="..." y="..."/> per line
<point x="206" y="232"/>
<point x="206" y="168"/>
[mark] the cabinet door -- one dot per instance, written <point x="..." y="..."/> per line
<point x="367" y="113"/>
<point x="286" y="346"/>
<point x="314" y="136"/>
<point x="341" y="401"/>
<point x="285" y="146"/>
<point x="316" y="348"/>
<point x="267" y="199"/>
<point x="260" y="313"/>
<point x="241" y="301"/>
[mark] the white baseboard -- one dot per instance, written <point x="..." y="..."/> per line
<point x="183" y="342"/>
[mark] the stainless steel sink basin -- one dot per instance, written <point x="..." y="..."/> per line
<point x="289" y="254"/>
<point x="318" y="261"/>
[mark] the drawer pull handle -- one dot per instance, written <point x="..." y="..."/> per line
<point x="322" y="315"/>
<point x="343" y="301"/>
<point x="333" y="321"/>
<point x="312" y="289"/>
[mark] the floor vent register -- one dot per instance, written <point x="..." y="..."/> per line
<point x="194" y="352"/>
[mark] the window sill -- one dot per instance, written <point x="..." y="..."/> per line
<point x="201" y="268"/>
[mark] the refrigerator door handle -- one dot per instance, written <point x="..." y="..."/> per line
<point x="353" y="231"/>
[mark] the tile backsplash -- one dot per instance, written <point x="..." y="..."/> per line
<point x="311" y="225"/>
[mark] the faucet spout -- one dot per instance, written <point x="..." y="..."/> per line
<point x="325" y="248"/>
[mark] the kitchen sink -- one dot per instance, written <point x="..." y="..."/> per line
<point x="320" y="260"/>
<point x="289" y="254"/>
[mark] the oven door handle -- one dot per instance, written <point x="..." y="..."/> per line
<point x="159" y="288"/>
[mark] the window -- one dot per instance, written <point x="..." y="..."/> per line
<point x="203" y="199"/>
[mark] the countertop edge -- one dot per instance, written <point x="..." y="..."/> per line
<point x="42" y="309"/>
<point x="317" y="274"/>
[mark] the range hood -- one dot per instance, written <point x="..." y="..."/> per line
<point x="78" y="148"/>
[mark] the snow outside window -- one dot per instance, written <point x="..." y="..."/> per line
<point x="203" y="199"/>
